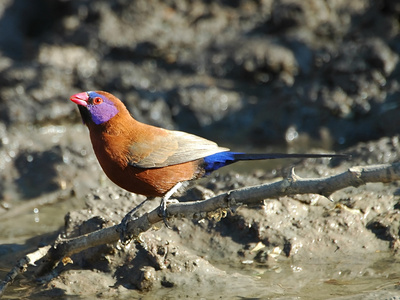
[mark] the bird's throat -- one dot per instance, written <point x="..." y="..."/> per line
<point x="85" y="114"/>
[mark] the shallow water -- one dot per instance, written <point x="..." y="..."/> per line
<point x="374" y="276"/>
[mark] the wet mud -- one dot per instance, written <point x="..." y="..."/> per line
<point x="256" y="76"/>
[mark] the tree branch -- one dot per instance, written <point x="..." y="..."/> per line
<point x="291" y="185"/>
<point x="21" y="266"/>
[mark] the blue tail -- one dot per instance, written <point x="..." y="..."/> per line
<point x="218" y="160"/>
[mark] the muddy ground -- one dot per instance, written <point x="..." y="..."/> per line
<point x="273" y="75"/>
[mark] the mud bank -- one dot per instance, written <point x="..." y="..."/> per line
<point x="251" y="75"/>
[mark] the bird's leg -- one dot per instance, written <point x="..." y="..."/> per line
<point x="130" y="214"/>
<point x="128" y="217"/>
<point x="165" y="201"/>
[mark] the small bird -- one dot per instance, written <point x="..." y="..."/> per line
<point x="149" y="160"/>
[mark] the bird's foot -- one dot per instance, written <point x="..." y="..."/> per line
<point x="165" y="201"/>
<point x="163" y="209"/>
<point x="123" y="226"/>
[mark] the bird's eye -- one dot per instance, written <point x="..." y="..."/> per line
<point x="97" y="100"/>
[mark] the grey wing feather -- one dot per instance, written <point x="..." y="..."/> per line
<point x="176" y="148"/>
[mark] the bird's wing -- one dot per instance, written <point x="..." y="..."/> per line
<point x="175" y="148"/>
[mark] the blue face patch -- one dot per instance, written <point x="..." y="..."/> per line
<point x="102" y="112"/>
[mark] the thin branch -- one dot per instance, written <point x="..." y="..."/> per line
<point x="291" y="185"/>
<point x="21" y="266"/>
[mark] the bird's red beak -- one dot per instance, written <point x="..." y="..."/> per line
<point x="80" y="99"/>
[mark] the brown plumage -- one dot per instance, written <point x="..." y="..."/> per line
<point x="148" y="160"/>
<point x="141" y="158"/>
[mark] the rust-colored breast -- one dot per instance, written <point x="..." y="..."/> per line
<point x="112" y="147"/>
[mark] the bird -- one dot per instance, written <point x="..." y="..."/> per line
<point x="150" y="160"/>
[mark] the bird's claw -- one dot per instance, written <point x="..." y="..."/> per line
<point x="124" y="237"/>
<point x="123" y="226"/>
<point x="163" y="210"/>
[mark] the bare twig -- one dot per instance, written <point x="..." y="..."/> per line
<point x="291" y="185"/>
<point x="22" y="265"/>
